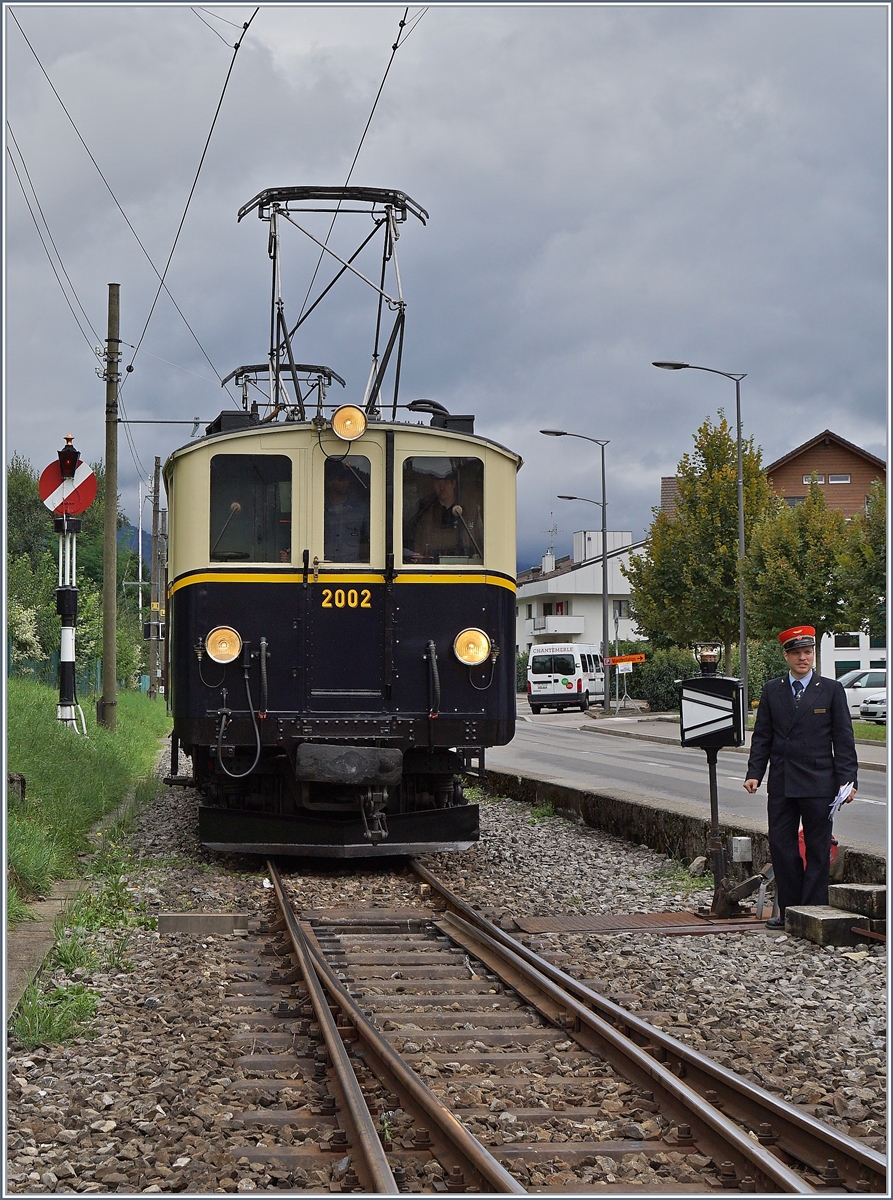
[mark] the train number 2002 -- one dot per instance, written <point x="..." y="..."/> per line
<point x="350" y="598"/>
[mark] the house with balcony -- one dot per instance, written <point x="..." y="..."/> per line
<point x="561" y="599"/>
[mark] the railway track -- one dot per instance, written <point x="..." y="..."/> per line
<point x="428" y="1050"/>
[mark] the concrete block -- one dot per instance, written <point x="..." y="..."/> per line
<point x="202" y="923"/>
<point x="822" y="924"/>
<point x="867" y="899"/>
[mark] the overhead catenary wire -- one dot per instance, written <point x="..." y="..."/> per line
<point x="46" y="224"/>
<point x="50" y="257"/>
<point x="401" y="38"/>
<point x="216" y="32"/>
<point x="201" y="163"/>
<point x="116" y="202"/>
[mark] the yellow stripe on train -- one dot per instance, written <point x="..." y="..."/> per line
<point x="346" y="577"/>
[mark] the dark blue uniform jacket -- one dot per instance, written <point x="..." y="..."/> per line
<point x="809" y="746"/>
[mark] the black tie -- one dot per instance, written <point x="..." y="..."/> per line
<point x="798" y="690"/>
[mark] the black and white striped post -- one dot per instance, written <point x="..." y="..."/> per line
<point x="67" y="487"/>
<point x="67" y="607"/>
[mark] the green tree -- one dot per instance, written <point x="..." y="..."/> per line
<point x="793" y="573"/>
<point x="32" y="578"/>
<point x="29" y="526"/>
<point x="863" y="566"/>
<point x="685" y="583"/>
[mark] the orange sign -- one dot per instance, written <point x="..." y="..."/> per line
<point x="624" y="658"/>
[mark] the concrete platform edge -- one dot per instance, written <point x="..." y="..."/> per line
<point x="674" y="828"/>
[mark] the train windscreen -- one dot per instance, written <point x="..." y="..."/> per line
<point x="443" y="510"/>
<point x="347" y="509"/>
<point x="250" y="508"/>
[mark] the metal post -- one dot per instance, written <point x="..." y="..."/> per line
<point x="714" y="845"/>
<point x="67" y="608"/>
<point x="106" y="708"/>
<point x="742" y="623"/>
<point x="606" y="646"/>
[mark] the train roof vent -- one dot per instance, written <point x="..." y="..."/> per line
<point x="227" y="421"/>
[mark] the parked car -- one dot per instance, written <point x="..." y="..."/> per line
<point x="874" y="709"/>
<point x="863" y="685"/>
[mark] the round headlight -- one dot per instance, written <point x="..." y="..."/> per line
<point x="471" y="647"/>
<point x="223" y="644"/>
<point x="349" y="422"/>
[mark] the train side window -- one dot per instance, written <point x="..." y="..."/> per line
<point x="443" y="510"/>
<point x="250" y="508"/>
<point x="346" y="533"/>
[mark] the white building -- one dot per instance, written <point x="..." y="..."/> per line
<point x="561" y="601"/>
<point x="842" y="652"/>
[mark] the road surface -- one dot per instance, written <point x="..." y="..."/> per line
<point x="553" y="746"/>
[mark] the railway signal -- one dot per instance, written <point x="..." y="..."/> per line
<point x="711" y="717"/>
<point x="67" y="487"/>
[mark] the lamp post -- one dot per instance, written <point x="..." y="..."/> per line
<point x="742" y="623"/>
<point x="603" y="504"/>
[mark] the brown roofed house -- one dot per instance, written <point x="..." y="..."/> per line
<point x="845" y="472"/>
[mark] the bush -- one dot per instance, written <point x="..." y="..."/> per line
<point x="765" y="661"/>
<point x="521" y="672"/>
<point x="657" y="677"/>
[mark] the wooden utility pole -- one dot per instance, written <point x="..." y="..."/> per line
<point x="106" y="709"/>
<point x="154" y="620"/>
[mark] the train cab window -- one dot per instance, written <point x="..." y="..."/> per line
<point x="347" y="509"/>
<point x="443" y="510"/>
<point x="250" y="508"/>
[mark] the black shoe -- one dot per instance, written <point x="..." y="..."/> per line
<point x="775" y="923"/>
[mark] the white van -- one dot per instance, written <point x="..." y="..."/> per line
<point x="564" y="676"/>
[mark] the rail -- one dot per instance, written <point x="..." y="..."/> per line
<point x="779" y="1128"/>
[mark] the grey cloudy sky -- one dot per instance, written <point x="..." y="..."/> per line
<point x="607" y="185"/>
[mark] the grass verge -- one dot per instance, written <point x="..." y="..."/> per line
<point x="869" y="731"/>
<point x="72" y="782"/>
<point x="43" y="1019"/>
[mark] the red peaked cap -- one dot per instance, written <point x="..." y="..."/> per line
<point x="799" y="636"/>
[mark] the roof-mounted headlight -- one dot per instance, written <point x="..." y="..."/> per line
<point x="349" y="422"/>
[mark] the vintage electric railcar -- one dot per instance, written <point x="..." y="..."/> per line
<point x="340" y="621"/>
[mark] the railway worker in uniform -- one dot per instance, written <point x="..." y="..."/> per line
<point x="346" y="514"/>
<point x="443" y="526"/>
<point x="804" y="733"/>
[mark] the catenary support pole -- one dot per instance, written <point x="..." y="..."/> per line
<point x="107" y="707"/>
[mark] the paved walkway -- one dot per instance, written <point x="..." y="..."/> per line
<point x="28" y="944"/>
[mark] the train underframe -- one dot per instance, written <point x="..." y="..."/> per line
<point x="338" y="800"/>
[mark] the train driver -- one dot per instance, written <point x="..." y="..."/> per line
<point x="346" y="511"/>
<point x="443" y="527"/>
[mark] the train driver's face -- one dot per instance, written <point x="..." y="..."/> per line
<point x="337" y="489"/>
<point x="445" y="490"/>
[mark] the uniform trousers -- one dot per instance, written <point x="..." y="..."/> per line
<point x="794" y="885"/>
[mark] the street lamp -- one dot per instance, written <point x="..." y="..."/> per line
<point x="742" y="624"/>
<point x="603" y="504"/>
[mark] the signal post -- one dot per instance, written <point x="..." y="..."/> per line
<point x="68" y="487"/>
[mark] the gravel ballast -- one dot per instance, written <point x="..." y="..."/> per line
<point x="143" y="1106"/>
